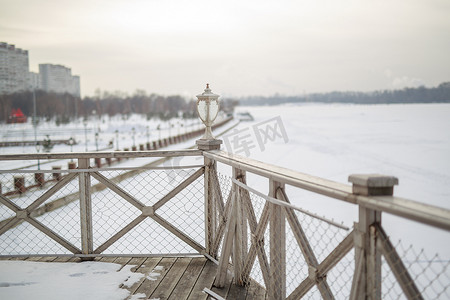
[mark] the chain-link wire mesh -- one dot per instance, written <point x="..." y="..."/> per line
<point x="308" y="241"/>
<point x="59" y="214"/>
<point x="185" y="211"/>
<point x="429" y="274"/>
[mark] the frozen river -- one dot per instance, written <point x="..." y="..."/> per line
<point x="411" y="142"/>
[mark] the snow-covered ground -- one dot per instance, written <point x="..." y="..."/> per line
<point x="87" y="280"/>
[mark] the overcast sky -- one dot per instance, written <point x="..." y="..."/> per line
<point x="240" y="47"/>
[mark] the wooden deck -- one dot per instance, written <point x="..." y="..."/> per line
<point x="180" y="277"/>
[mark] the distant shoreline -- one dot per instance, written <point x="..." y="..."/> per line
<point x="439" y="94"/>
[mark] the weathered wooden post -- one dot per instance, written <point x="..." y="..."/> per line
<point x="207" y="108"/>
<point x="141" y="147"/>
<point x="277" y="286"/>
<point x="148" y="146"/>
<point x="241" y="238"/>
<point x="367" y="279"/>
<point x="57" y="175"/>
<point x="85" y="208"/>
<point x="39" y="179"/>
<point x="108" y="160"/>
<point x="19" y="184"/>
<point x="98" y="162"/>
<point x="71" y="165"/>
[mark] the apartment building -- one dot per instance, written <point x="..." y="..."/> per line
<point x="15" y="75"/>
<point x="14" y="69"/>
<point x="58" y="79"/>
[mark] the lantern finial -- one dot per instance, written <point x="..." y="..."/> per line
<point x="207" y="85"/>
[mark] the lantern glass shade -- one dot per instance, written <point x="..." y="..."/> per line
<point x="205" y="116"/>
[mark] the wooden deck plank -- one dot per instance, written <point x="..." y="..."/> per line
<point x="150" y="284"/>
<point x="223" y="292"/>
<point x="255" y="291"/>
<point x="47" y="258"/>
<point x="205" y="279"/>
<point x="107" y="259"/>
<point x="171" y="279"/>
<point x="187" y="281"/>
<point x="144" y="266"/>
<point x="75" y="259"/>
<point x="33" y="258"/>
<point x="136" y="262"/>
<point x="122" y="261"/>
<point x="62" y="259"/>
<point x="237" y="292"/>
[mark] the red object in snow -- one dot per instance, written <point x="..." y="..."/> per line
<point x="17" y="116"/>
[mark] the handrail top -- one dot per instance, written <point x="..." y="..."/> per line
<point x="102" y="154"/>
<point x="413" y="210"/>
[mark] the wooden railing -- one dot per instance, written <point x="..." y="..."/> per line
<point x="243" y="235"/>
<point x="41" y="199"/>
<point x="229" y="227"/>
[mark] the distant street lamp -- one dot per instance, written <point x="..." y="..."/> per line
<point x="85" y="133"/>
<point x="148" y="134"/>
<point x="71" y="142"/>
<point x="159" y="131"/>
<point x="38" y="149"/>
<point x="96" y="141"/>
<point x="117" y="139"/>
<point x="134" y="134"/>
<point x="34" y="117"/>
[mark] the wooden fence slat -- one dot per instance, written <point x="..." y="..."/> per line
<point x="178" y="233"/>
<point x="9" y="224"/>
<point x="119" y="191"/>
<point x="356" y="289"/>
<point x="305" y="247"/>
<point x="119" y="234"/>
<point x="216" y="184"/>
<point x="68" y="178"/>
<point x="209" y="205"/>
<point x="178" y="189"/>
<point x="277" y="231"/>
<point x="53" y="235"/>
<point x="87" y="236"/>
<point x="11" y="205"/>
<point x="222" y="269"/>
<point x="398" y="268"/>
<point x="325" y="266"/>
<point x="102" y="154"/>
<point x="221" y="228"/>
<point x="257" y="247"/>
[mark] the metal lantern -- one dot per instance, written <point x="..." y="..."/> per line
<point x="207" y="108"/>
